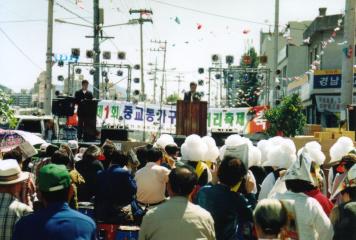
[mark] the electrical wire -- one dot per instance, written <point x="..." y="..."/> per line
<point x="34" y="20"/>
<point x="217" y="15"/>
<point x="20" y="50"/>
<point x="73" y="13"/>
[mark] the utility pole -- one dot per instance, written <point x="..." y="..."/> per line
<point x="141" y="21"/>
<point x="48" y="82"/>
<point x="164" y="50"/>
<point x="348" y="59"/>
<point x="275" y="54"/>
<point x="180" y="79"/>
<point x="96" y="48"/>
<point x="155" y="82"/>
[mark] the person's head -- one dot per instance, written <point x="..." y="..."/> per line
<point x="74" y="146"/>
<point x="118" y="158"/>
<point x="193" y="86"/>
<point x="348" y="186"/>
<point x="66" y="149"/>
<point x="14" y="154"/>
<point x="154" y="155"/>
<point x="51" y="149"/>
<point x="11" y="177"/>
<point x="53" y="183"/>
<point x="60" y="157"/>
<point x="108" y="149"/>
<point x="182" y="181"/>
<point x="231" y="171"/>
<point x="141" y="153"/>
<point x="172" y="150"/>
<point x="92" y="153"/>
<point x="299" y="186"/>
<point x="85" y="85"/>
<point x="270" y="218"/>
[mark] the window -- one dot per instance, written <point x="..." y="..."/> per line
<point x="33" y="126"/>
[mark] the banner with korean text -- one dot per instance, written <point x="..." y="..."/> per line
<point x="154" y="117"/>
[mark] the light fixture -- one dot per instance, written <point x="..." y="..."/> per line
<point x="200" y="70"/>
<point x="106" y="55"/>
<point x="137" y="67"/>
<point x="136" y="80"/>
<point x="121" y="55"/>
<point x="92" y="71"/>
<point x="90" y="54"/>
<point x="119" y="73"/>
<point x="60" y="78"/>
<point x="76" y="52"/>
<point x="229" y="59"/>
<point x="78" y="70"/>
<point x="104" y="73"/>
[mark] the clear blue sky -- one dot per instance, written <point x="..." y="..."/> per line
<point x="188" y="48"/>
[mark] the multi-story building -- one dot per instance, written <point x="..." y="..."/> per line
<point x="320" y="87"/>
<point x="22" y="99"/>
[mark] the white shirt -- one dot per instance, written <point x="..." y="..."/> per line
<point x="312" y="222"/>
<point x="151" y="183"/>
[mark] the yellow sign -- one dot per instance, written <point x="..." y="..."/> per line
<point x="327" y="72"/>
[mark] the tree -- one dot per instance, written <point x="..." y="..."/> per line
<point x="249" y="90"/>
<point x="173" y="98"/>
<point x="6" y="113"/>
<point x="286" y="118"/>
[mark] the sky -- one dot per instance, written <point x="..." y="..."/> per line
<point x="23" y="34"/>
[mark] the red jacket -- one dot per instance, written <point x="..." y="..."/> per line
<point x="326" y="204"/>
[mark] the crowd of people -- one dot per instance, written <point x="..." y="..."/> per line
<point x="196" y="191"/>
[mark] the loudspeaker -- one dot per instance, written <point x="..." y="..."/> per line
<point x="220" y="137"/>
<point x="63" y="107"/>
<point x="113" y="134"/>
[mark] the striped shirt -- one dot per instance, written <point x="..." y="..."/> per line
<point x="11" y="210"/>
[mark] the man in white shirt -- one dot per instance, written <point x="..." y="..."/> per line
<point x="151" y="180"/>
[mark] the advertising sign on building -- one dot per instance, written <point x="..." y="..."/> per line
<point x="324" y="79"/>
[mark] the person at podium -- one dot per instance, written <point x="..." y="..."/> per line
<point x="192" y="95"/>
<point x="80" y="96"/>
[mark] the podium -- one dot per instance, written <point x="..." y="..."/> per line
<point x="88" y="114"/>
<point x="191" y="118"/>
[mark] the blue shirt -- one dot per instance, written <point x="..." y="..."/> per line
<point x="115" y="189"/>
<point x="231" y="211"/>
<point x="55" y="222"/>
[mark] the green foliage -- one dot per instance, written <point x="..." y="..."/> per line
<point x="249" y="89"/>
<point x="287" y="117"/>
<point x="6" y="113"/>
<point x="172" y="98"/>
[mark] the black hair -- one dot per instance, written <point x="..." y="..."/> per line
<point x="14" y="154"/>
<point x="51" y="149"/>
<point x="171" y="149"/>
<point x="85" y="82"/>
<point x="57" y="196"/>
<point x="141" y="153"/>
<point x="154" y="154"/>
<point x="119" y="158"/>
<point x="298" y="186"/>
<point x="183" y="180"/>
<point x="60" y="158"/>
<point x="231" y="171"/>
<point x="193" y="84"/>
<point x="352" y="193"/>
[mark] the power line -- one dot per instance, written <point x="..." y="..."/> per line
<point x="20" y="50"/>
<point x="217" y="15"/>
<point x="73" y="13"/>
<point x="33" y="20"/>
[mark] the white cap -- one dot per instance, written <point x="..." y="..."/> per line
<point x="282" y="155"/>
<point x="314" y="150"/>
<point x="341" y="148"/>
